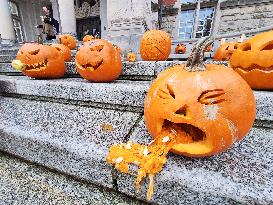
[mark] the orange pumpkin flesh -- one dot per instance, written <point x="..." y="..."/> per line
<point x="253" y="60"/>
<point x="99" y="61"/>
<point x="131" y="57"/>
<point x="88" y="38"/>
<point x="68" y="40"/>
<point x="65" y="51"/>
<point x="180" y="49"/>
<point x="195" y="110"/>
<point x="40" y="61"/>
<point x="225" y="51"/>
<point x="155" y="45"/>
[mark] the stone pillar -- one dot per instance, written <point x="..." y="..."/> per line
<point x="127" y="21"/>
<point x="6" y="28"/>
<point x="67" y="16"/>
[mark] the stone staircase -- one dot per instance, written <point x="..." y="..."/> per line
<point x="67" y="125"/>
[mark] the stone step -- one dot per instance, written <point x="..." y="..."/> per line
<point x="140" y="70"/>
<point x="69" y="125"/>
<point x="22" y="182"/>
<point x="129" y="94"/>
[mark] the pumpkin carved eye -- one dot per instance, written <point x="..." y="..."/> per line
<point x="246" y="47"/>
<point x="35" y="52"/>
<point x="211" y="97"/>
<point x="268" y="47"/>
<point x="166" y="93"/>
<point x="97" y="48"/>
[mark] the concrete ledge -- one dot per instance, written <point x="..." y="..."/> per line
<point x="242" y="175"/>
<point x="68" y="138"/>
<point x="124" y="93"/>
<point x="121" y="92"/>
<point x="28" y="184"/>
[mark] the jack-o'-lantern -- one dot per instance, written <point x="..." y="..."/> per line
<point x="131" y="57"/>
<point x="253" y="60"/>
<point x="88" y="38"/>
<point x="155" y="45"/>
<point x="98" y="61"/>
<point x="194" y="110"/>
<point x="225" y="51"/>
<point x="68" y="40"/>
<point x="180" y="48"/>
<point x="40" y="61"/>
<point x="66" y="52"/>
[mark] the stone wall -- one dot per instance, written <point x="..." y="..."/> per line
<point x="170" y="24"/>
<point x="245" y="17"/>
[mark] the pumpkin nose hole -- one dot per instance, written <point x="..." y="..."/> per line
<point x="246" y="47"/>
<point x="182" y="111"/>
<point x="34" y="52"/>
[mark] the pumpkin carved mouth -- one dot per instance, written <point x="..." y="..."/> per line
<point x="186" y="133"/>
<point x="256" y="67"/>
<point x="90" y="66"/>
<point x="37" y="66"/>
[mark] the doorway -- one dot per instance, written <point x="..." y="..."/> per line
<point x="93" y="24"/>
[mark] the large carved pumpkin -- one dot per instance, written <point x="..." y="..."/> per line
<point x="195" y="110"/>
<point x="66" y="52"/>
<point x="224" y="52"/>
<point x="99" y="61"/>
<point x="209" y="106"/>
<point x="68" y="40"/>
<point x="253" y="60"/>
<point x="155" y="45"/>
<point x="40" y="61"/>
<point x="180" y="48"/>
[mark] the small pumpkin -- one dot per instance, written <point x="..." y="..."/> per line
<point x="40" y="61"/>
<point x="99" y="61"/>
<point x="88" y="38"/>
<point x="131" y="57"/>
<point x="224" y="52"/>
<point x="253" y="60"/>
<point x="180" y="48"/>
<point x="68" y="40"/>
<point x="155" y="45"/>
<point x="66" y="52"/>
<point x="202" y="104"/>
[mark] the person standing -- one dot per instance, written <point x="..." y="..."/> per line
<point x="50" y="26"/>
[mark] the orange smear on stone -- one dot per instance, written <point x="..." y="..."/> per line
<point x="149" y="159"/>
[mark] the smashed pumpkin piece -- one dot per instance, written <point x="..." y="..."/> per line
<point x="150" y="159"/>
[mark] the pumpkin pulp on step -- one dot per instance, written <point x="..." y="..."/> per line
<point x="195" y="110"/>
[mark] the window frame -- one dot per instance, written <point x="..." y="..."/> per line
<point x="197" y="6"/>
<point x="17" y="17"/>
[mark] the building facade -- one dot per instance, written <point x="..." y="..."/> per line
<point x="124" y="21"/>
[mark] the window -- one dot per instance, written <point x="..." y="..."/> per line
<point x="16" y="21"/>
<point x="194" y="22"/>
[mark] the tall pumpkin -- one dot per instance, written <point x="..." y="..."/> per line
<point x="155" y="45"/>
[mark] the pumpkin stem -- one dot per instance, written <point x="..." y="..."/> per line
<point x="195" y="61"/>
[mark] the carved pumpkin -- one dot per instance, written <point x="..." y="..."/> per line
<point x="180" y="48"/>
<point x="98" y="61"/>
<point x="202" y="103"/>
<point x="253" y="60"/>
<point x="131" y="57"/>
<point x="40" y="61"/>
<point x="68" y="40"/>
<point x="65" y="51"/>
<point x="155" y="45"/>
<point x="88" y="38"/>
<point x="225" y="51"/>
<point x="195" y="110"/>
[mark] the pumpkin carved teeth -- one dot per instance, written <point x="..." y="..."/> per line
<point x="90" y="66"/>
<point x="36" y="66"/>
